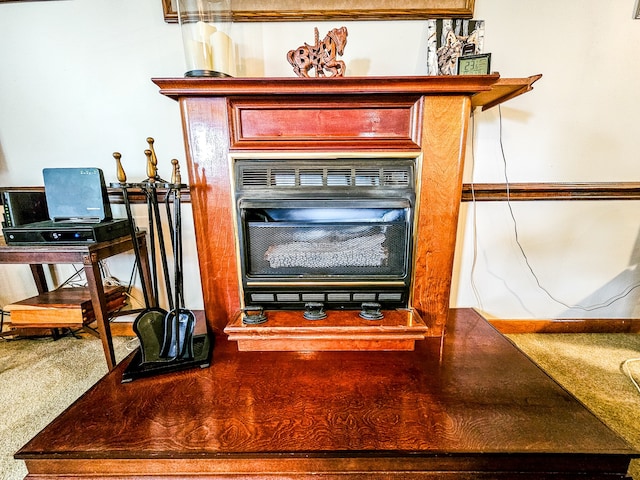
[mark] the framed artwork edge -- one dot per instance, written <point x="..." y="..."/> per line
<point x="636" y="12"/>
<point x="254" y="10"/>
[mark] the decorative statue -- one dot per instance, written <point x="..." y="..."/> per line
<point x="321" y="56"/>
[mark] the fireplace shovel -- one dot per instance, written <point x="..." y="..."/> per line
<point x="179" y="322"/>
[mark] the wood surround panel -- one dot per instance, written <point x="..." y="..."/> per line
<point x="206" y="132"/>
<point x="328" y="124"/>
<point x="427" y="116"/>
<point x="444" y="134"/>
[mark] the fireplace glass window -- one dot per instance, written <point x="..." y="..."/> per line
<point x="326" y="241"/>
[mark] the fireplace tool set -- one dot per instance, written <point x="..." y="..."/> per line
<point x="167" y="339"/>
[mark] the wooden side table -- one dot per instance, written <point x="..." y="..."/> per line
<point x="89" y="255"/>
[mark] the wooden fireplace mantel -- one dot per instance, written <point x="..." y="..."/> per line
<point x="494" y="89"/>
<point x="422" y="116"/>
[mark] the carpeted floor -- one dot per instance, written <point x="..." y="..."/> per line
<point x="590" y="367"/>
<point x="39" y="378"/>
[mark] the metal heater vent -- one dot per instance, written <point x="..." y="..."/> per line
<point x="389" y="173"/>
<point x="255" y="177"/>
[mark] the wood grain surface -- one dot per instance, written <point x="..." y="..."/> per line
<point x="470" y="402"/>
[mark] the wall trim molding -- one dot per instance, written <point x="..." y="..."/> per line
<point x="479" y="192"/>
<point x="491" y="192"/>
<point x="567" y="325"/>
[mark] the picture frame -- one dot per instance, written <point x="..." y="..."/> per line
<point x="636" y="11"/>
<point x="309" y="10"/>
<point x="450" y="38"/>
<point x="474" y="64"/>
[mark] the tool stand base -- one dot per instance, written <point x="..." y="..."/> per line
<point x="202" y="348"/>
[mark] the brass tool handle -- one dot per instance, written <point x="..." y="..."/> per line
<point x="175" y="173"/>
<point x="151" y="168"/>
<point x="176" y="177"/>
<point x="150" y="141"/>
<point x="120" y="173"/>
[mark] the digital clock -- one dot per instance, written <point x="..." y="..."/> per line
<point x="474" y="64"/>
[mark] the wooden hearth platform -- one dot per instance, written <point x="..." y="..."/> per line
<point x="466" y="406"/>
<point x="342" y="330"/>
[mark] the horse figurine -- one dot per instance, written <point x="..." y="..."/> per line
<point x="321" y="56"/>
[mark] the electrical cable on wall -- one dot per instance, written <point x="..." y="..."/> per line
<point x="611" y="300"/>
<point x="474" y="287"/>
<point x="627" y="371"/>
<point x="128" y="293"/>
<point x="71" y="280"/>
<point x="110" y="280"/>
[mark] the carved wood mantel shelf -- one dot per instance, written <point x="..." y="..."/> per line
<point x="425" y="117"/>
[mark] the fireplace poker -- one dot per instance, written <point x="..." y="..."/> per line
<point x="190" y="320"/>
<point x="122" y="179"/>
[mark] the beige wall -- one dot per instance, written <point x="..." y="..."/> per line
<point x="75" y="86"/>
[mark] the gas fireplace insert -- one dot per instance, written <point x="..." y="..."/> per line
<point x="333" y="232"/>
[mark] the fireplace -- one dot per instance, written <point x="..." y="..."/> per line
<point x="328" y="195"/>
<point x="332" y="231"/>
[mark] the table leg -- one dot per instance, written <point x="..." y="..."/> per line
<point x="98" y="301"/>
<point x="37" y="271"/>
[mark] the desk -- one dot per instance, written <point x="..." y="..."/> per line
<point x="89" y="255"/>
<point x="467" y="406"/>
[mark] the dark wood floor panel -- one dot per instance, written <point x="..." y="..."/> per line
<point x="451" y="409"/>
